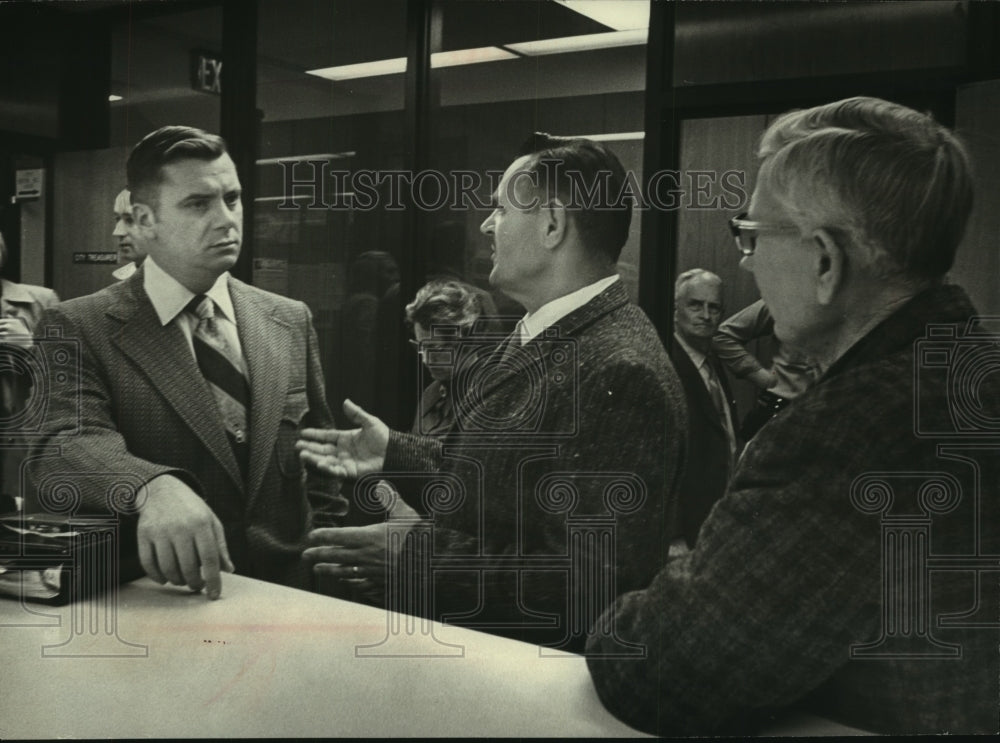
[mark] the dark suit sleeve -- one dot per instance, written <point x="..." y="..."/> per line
<point x="409" y="452"/>
<point x="78" y="433"/>
<point x="621" y="465"/>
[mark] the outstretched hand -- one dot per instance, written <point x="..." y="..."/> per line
<point x="353" y="453"/>
<point x="362" y="554"/>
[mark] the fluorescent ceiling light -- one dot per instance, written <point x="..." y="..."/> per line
<point x="580" y="43"/>
<point x="470" y="56"/>
<point x="304" y="158"/>
<point x="398" y="65"/>
<point x="621" y="15"/>
<point x="612" y="137"/>
<point x="364" y="69"/>
<point x="112" y="98"/>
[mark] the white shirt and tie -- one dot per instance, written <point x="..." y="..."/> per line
<point x="715" y="391"/>
<point x="216" y="328"/>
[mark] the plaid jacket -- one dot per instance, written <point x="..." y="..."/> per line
<point x="584" y="424"/>
<point x="845" y="570"/>
<point x="133" y="405"/>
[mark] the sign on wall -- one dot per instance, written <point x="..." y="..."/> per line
<point x="29" y="184"/>
<point x="206" y="72"/>
<point x="96" y="257"/>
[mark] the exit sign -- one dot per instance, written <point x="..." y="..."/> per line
<point x="206" y="72"/>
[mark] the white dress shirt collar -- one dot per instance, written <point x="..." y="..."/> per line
<point x="549" y="314"/>
<point x="170" y="297"/>
<point x="697" y="357"/>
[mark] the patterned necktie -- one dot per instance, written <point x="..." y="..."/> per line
<point x="719" y="400"/>
<point x="223" y="368"/>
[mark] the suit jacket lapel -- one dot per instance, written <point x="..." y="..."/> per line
<point x="686" y="369"/>
<point x="166" y="359"/>
<point x="727" y="393"/>
<point x="266" y="343"/>
<point x="570" y="325"/>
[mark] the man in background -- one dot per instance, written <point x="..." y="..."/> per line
<point x="712" y="442"/>
<point x="130" y="251"/>
<point x="811" y="586"/>
<point x="192" y="384"/>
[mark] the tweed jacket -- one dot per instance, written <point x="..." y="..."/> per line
<point x="838" y="572"/>
<point x="708" y="462"/>
<point x="138" y="407"/>
<point x="585" y="422"/>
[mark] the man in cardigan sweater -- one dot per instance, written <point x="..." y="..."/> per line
<point x="851" y="567"/>
<point x="574" y="424"/>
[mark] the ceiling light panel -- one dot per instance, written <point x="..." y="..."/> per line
<point x="583" y="43"/>
<point x="621" y="15"/>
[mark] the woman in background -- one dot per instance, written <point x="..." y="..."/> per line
<point x="441" y="315"/>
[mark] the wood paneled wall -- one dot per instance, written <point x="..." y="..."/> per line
<point x="85" y="185"/>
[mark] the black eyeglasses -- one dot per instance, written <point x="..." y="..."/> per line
<point x="745" y="232"/>
<point x="430" y="346"/>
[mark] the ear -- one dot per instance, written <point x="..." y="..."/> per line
<point x="145" y="220"/>
<point x="830" y="268"/>
<point x="554" y="222"/>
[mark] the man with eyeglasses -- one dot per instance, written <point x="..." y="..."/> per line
<point x="850" y="569"/>
<point x="712" y="443"/>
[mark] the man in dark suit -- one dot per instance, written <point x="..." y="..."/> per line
<point x="850" y="569"/>
<point x="577" y="419"/>
<point x="191" y="387"/>
<point x="712" y="442"/>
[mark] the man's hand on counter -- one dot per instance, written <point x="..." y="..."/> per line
<point x="181" y="540"/>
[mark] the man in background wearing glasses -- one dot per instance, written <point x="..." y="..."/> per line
<point x="850" y="569"/>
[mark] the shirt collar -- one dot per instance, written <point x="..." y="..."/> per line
<point x="170" y="297"/>
<point x="549" y="314"/>
<point x="697" y="357"/>
<point x="15" y="292"/>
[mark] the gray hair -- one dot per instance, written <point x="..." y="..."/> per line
<point x="695" y="274"/>
<point x="444" y="302"/>
<point x="888" y="178"/>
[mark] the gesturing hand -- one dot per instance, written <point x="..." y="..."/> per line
<point x="353" y="453"/>
<point x="180" y="539"/>
<point x="361" y="552"/>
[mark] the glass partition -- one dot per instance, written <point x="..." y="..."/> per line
<point x="330" y="101"/>
<point x="508" y="69"/>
